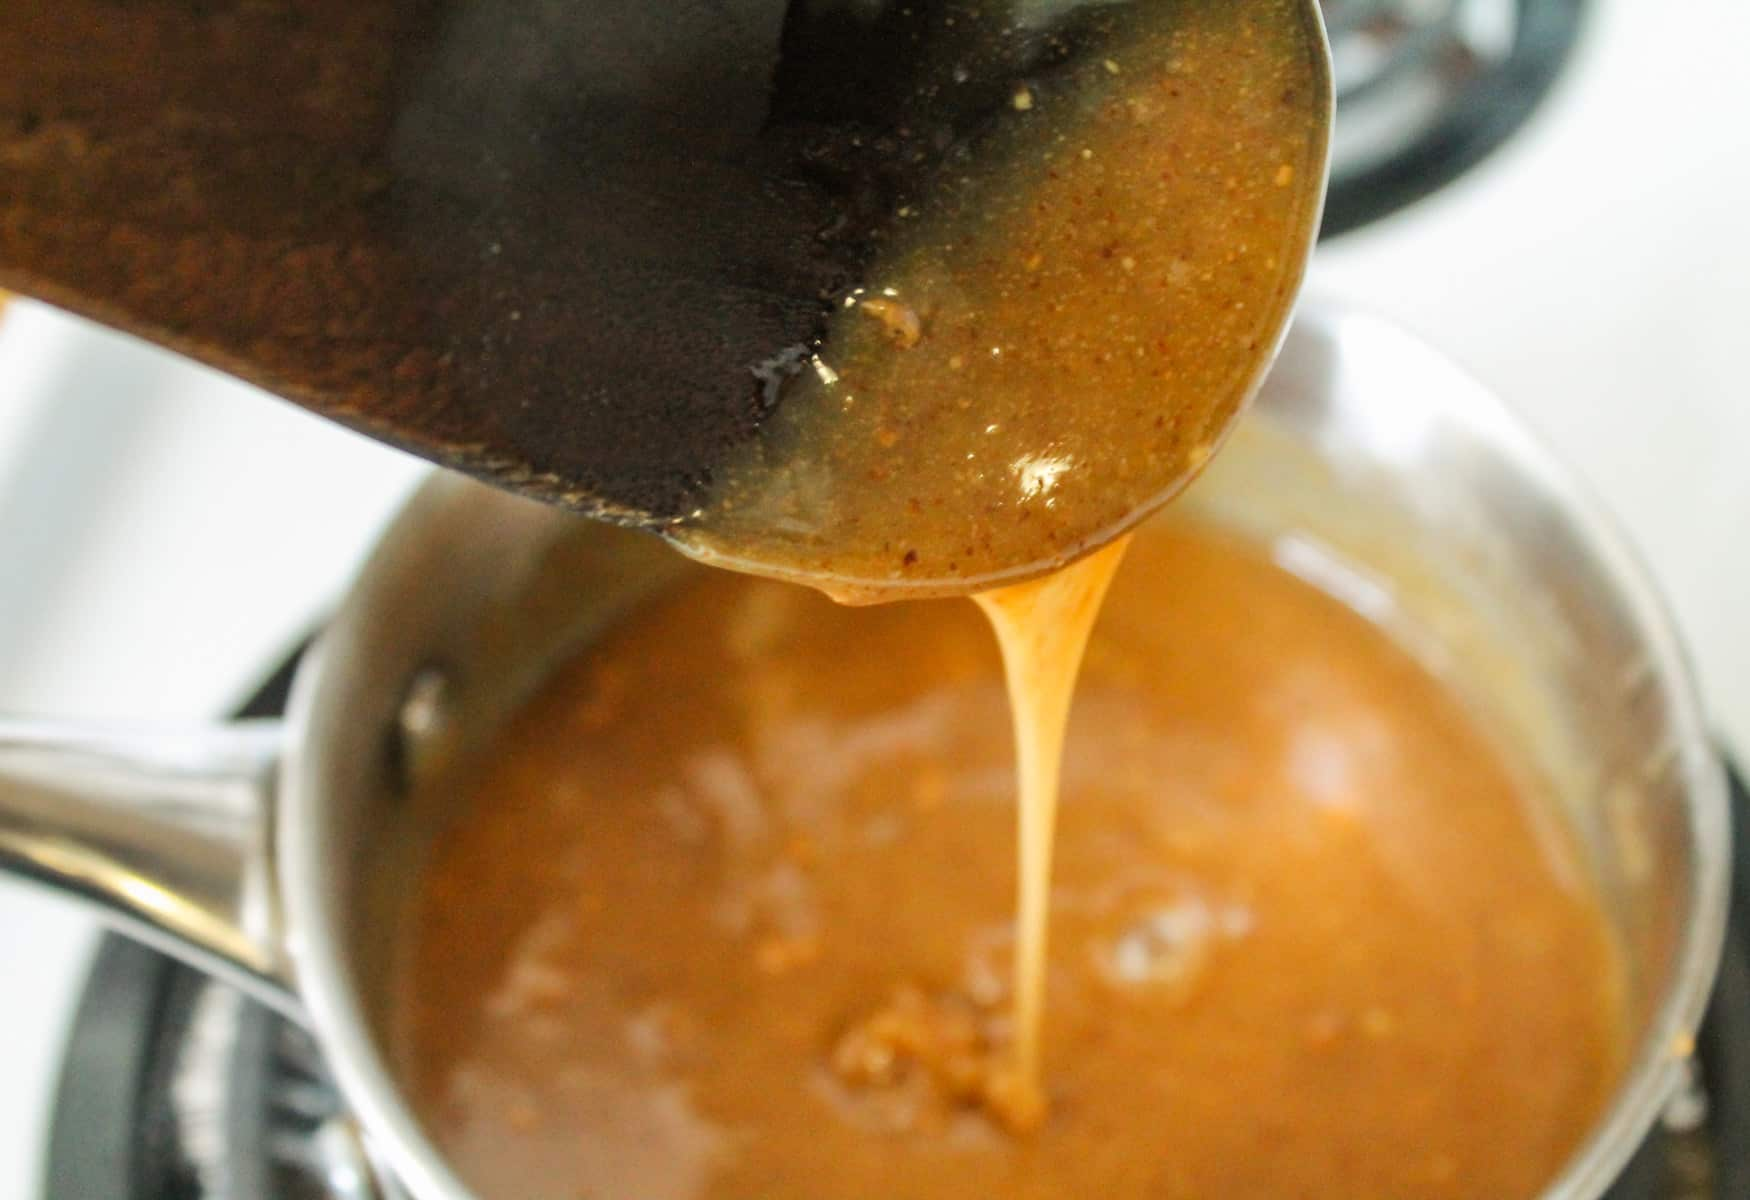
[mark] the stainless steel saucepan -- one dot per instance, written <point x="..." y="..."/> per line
<point x="281" y="856"/>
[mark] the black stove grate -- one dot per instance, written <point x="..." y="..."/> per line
<point x="1426" y="89"/>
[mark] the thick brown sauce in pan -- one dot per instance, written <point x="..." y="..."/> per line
<point x="729" y="915"/>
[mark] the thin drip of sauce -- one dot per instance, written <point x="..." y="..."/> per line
<point x="1042" y="627"/>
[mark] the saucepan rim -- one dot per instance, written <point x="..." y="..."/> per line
<point x="338" y="1016"/>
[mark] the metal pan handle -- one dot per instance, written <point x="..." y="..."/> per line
<point x="169" y="832"/>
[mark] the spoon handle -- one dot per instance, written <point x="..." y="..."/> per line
<point x="532" y="241"/>
<point x="544" y="243"/>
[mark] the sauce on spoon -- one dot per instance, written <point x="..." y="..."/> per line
<point x="1055" y="340"/>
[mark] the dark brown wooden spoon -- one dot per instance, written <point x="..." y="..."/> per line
<point x="546" y="242"/>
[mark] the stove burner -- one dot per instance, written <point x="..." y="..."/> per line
<point x="1428" y="88"/>
<point x="177" y="1088"/>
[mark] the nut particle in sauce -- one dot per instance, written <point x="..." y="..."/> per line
<point x="1308" y="935"/>
<point x="1051" y="345"/>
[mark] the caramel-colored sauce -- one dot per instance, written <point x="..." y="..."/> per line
<point x="728" y="912"/>
<point x="1056" y="342"/>
<point x="1042" y="628"/>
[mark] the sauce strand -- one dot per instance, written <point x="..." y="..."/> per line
<point x="1042" y="627"/>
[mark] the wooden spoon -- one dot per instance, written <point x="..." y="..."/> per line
<point x="547" y="242"/>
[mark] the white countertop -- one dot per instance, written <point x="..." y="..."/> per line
<point x="1596" y="273"/>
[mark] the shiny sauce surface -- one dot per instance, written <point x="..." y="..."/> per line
<point x="1057" y="338"/>
<point x="729" y="913"/>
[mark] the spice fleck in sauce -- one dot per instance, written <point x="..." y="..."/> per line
<point x="729" y="913"/>
<point x="1059" y="338"/>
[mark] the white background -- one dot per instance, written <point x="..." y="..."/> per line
<point x="165" y="535"/>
